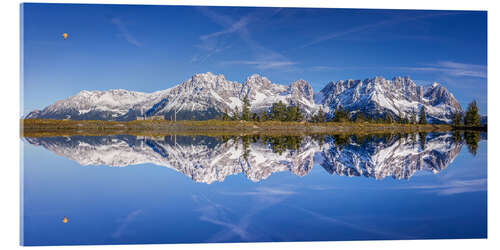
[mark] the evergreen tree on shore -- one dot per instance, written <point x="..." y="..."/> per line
<point x="263" y="116"/>
<point x="340" y="114"/>
<point x="457" y="119"/>
<point x="319" y="117"/>
<point x="225" y="116"/>
<point x="413" y="118"/>
<point x="360" y="117"/>
<point x="236" y="114"/>
<point x="471" y="115"/>
<point x="388" y="118"/>
<point x="245" y="113"/>
<point x="278" y="111"/>
<point x="422" y="116"/>
<point x="255" y="117"/>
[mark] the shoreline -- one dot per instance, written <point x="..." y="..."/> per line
<point x="50" y="128"/>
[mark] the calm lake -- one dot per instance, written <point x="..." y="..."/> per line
<point x="180" y="189"/>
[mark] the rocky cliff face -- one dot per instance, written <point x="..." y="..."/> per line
<point x="206" y="96"/>
<point x="203" y="96"/>
<point x="399" y="97"/>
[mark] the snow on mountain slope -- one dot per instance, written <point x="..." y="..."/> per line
<point x="203" y="159"/>
<point x="206" y="96"/>
<point x="206" y="159"/>
<point x="99" y="105"/>
<point x="399" y="97"/>
<point x="203" y="96"/>
<point x="397" y="158"/>
<point x="200" y="94"/>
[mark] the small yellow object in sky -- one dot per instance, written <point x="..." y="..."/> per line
<point x="65" y="36"/>
<point x="65" y="219"/>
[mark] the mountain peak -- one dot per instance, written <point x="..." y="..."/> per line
<point x="301" y="88"/>
<point x="206" y="95"/>
<point x="401" y="78"/>
<point x="257" y="79"/>
<point x="398" y="97"/>
<point x="378" y="79"/>
<point x="208" y="76"/>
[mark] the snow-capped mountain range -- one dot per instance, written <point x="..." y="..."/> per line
<point x="206" y="96"/>
<point x="399" y="96"/>
<point x="400" y="159"/>
<point x="207" y="160"/>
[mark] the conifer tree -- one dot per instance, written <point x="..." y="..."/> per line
<point x="360" y="117"/>
<point x="340" y="114"/>
<point x="236" y="114"/>
<point x="413" y="118"/>
<point x="387" y="118"/>
<point x="298" y="114"/>
<point x="457" y="119"/>
<point x="255" y="117"/>
<point x="225" y="116"/>
<point x="263" y="116"/>
<point x="321" y="115"/>
<point x="245" y="114"/>
<point x="422" y="116"/>
<point x="471" y="115"/>
<point x="405" y="120"/>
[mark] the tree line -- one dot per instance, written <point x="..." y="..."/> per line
<point x="469" y="119"/>
<point x="278" y="112"/>
<point x="280" y="144"/>
<point x="281" y="112"/>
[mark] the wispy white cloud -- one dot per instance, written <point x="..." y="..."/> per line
<point x="453" y="187"/>
<point x="449" y="68"/>
<point x="219" y="215"/>
<point x="217" y="42"/>
<point x="453" y="69"/>
<point x="124" y="32"/>
<point x="263" y="191"/>
<point x="337" y="221"/>
<point x="239" y="223"/>
<point x="448" y="187"/>
<point x="371" y="27"/>
<point x="210" y="50"/>
<point x="125" y="223"/>
<point x="339" y="34"/>
<point x="240" y="25"/>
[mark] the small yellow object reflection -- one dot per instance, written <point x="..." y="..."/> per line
<point x="65" y="36"/>
<point x="65" y="219"/>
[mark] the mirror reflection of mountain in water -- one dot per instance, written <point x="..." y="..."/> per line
<point x="208" y="159"/>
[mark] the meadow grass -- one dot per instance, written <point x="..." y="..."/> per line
<point x="48" y="127"/>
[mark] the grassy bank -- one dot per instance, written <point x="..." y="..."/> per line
<point x="46" y="127"/>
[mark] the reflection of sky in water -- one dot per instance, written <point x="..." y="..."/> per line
<point x="146" y="203"/>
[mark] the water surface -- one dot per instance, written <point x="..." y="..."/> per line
<point x="179" y="189"/>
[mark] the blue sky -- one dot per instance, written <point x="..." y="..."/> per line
<point x="148" y="48"/>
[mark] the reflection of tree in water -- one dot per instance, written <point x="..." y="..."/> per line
<point x="280" y="144"/>
<point x="245" y="140"/>
<point x="422" y="136"/>
<point x="341" y="140"/>
<point x="320" y="138"/>
<point x="472" y="139"/>
<point x="457" y="137"/>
